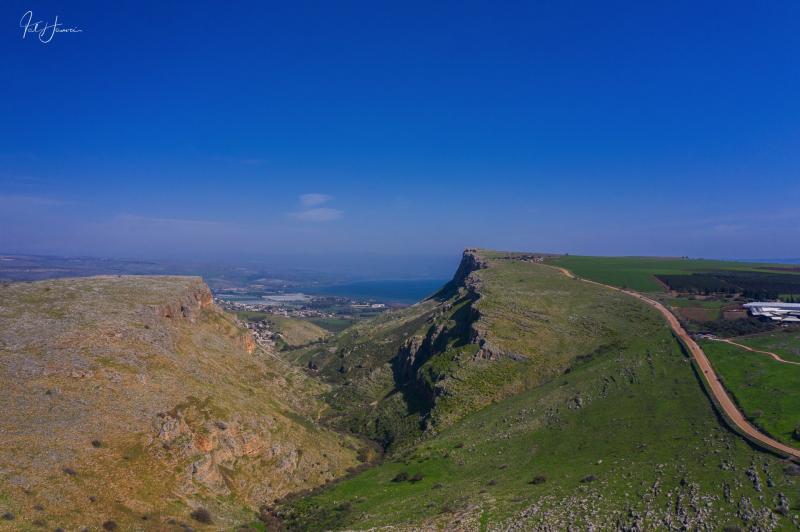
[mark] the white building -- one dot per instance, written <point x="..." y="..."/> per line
<point x="775" y="310"/>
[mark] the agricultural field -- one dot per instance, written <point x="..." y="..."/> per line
<point x="640" y="273"/>
<point x="700" y="310"/>
<point x="766" y="390"/>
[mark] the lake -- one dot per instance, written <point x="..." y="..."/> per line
<point x="386" y="291"/>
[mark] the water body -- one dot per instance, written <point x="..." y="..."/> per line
<point x="384" y="291"/>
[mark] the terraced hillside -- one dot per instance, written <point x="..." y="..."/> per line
<point x="520" y="399"/>
<point x="133" y="402"/>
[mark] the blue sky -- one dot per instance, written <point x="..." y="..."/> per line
<point x="208" y="129"/>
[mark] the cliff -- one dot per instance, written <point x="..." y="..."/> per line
<point x="132" y="399"/>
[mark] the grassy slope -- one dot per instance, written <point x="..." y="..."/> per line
<point x="296" y="332"/>
<point x="760" y="384"/>
<point x="94" y="358"/>
<point x="630" y="412"/>
<point x="785" y="343"/>
<point x="638" y="272"/>
<point x="334" y="325"/>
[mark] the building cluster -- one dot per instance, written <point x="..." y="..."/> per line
<point x="262" y="333"/>
<point x="775" y="310"/>
<point x="272" y="308"/>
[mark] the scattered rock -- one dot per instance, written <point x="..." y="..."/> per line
<point x="201" y="515"/>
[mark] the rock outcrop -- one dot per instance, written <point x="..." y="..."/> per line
<point x="130" y="398"/>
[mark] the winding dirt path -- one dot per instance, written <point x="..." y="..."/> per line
<point x="723" y="400"/>
<point x="775" y="356"/>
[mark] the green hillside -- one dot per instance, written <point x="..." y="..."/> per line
<point x="785" y="343"/>
<point x="536" y="401"/>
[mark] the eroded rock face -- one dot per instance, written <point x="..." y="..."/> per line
<point x="170" y="387"/>
<point x="196" y="297"/>
<point x="214" y="448"/>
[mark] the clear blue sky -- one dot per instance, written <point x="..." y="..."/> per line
<point x="249" y="129"/>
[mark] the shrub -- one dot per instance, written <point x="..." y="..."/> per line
<point x="201" y="515"/>
<point x="69" y="471"/>
<point x="97" y="444"/>
<point x="796" y="433"/>
<point x="110" y="525"/>
<point x="400" y="477"/>
<point x="270" y="519"/>
<point x="417" y="477"/>
<point x="792" y="470"/>
<point x="8" y="516"/>
<point x="588" y="478"/>
<point x="538" y="479"/>
<point x="492" y="482"/>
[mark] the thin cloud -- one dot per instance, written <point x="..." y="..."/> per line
<point x="310" y="200"/>
<point x="322" y="214"/>
<point x="134" y="220"/>
<point x="17" y="200"/>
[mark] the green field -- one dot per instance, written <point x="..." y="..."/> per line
<point x="294" y="332"/>
<point x="767" y="391"/>
<point x="785" y="343"/>
<point x="682" y="302"/>
<point x="589" y="416"/>
<point x="334" y="325"/>
<point x="638" y="273"/>
<point x="252" y="315"/>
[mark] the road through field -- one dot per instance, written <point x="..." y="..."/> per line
<point x="714" y="385"/>
<point x="775" y="356"/>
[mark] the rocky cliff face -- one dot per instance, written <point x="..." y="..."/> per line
<point x="128" y="399"/>
<point x="454" y="344"/>
<point x="188" y="305"/>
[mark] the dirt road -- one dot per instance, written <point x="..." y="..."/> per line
<point x="775" y="356"/>
<point x="722" y="398"/>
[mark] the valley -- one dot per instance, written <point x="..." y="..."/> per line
<point x="514" y="398"/>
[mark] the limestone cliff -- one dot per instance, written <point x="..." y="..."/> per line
<point x="133" y="399"/>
